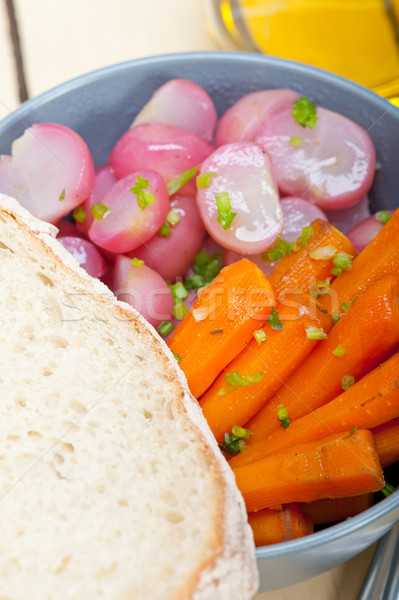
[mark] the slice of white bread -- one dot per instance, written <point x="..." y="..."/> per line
<point x="111" y="483"/>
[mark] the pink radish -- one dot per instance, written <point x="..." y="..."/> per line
<point x="52" y="171"/>
<point x="131" y="212"/>
<point x="104" y="179"/>
<point x="240" y="123"/>
<point x="241" y="187"/>
<point x="66" y="228"/>
<point x="332" y="164"/>
<point x="143" y="288"/>
<point x="86" y="254"/>
<point x="366" y="230"/>
<point x="182" y="103"/>
<point x="172" y="253"/>
<point x="167" y="149"/>
<point x="345" y="219"/>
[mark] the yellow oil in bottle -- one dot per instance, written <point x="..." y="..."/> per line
<point x="358" y="39"/>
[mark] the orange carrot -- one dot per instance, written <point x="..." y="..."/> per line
<point x="368" y="334"/>
<point x="274" y="526"/>
<point x="221" y="322"/>
<point x="299" y="272"/>
<point x="369" y="402"/>
<point x="277" y="357"/>
<point x="386" y="439"/>
<point x="379" y="257"/>
<point x="332" y="510"/>
<point x="335" y="467"/>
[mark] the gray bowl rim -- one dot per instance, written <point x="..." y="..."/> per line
<point x="383" y="507"/>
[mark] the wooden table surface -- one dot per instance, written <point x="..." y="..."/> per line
<point x="61" y="40"/>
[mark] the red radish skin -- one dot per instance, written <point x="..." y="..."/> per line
<point x="167" y="149"/>
<point x="51" y="171"/>
<point x="243" y="170"/>
<point x="144" y="289"/>
<point x="104" y="179"/>
<point x="240" y="123"/>
<point x="365" y="231"/>
<point x="345" y="219"/>
<point x="182" y="103"/>
<point x="334" y="164"/>
<point x="66" y="228"/>
<point x="127" y="226"/>
<point x="171" y="256"/>
<point x="86" y="254"/>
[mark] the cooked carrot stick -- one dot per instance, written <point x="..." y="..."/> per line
<point x="274" y="526"/>
<point x="386" y="439"/>
<point x="332" y="510"/>
<point x="299" y="272"/>
<point x="335" y="467"/>
<point x="277" y="357"/>
<point x="368" y="334"/>
<point x="379" y="257"/>
<point x="373" y="400"/>
<point x="221" y="322"/>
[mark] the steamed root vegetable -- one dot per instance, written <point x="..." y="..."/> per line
<point x="331" y="162"/>
<point x="172" y="250"/>
<point x="369" y="334"/>
<point x="275" y="353"/>
<point x="386" y="439"/>
<point x="182" y="103"/>
<point x="142" y="288"/>
<point x="276" y="526"/>
<point x="50" y="172"/>
<point x="104" y="179"/>
<point x="333" y="467"/>
<point x="221" y="322"/>
<point x="86" y="254"/>
<point x="345" y="219"/>
<point x="238" y="199"/>
<point x="372" y="400"/>
<point x="66" y="228"/>
<point x="131" y="212"/>
<point x="333" y="510"/>
<point x="366" y="230"/>
<point x="167" y="149"/>
<point x="241" y="121"/>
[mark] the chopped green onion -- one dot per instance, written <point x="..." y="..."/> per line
<point x="173" y="218"/>
<point x="177" y="182"/>
<point x="383" y="216"/>
<point x="79" y="214"/>
<point x="304" y="112"/>
<point x="282" y="416"/>
<point x="165" y="230"/>
<point x="236" y="381"/>
<point x="351" y="433"/>
<point x="322" y="288"/>
<point x="346" y="306"/>
<point x="296" y="140"/>
<point x="342" y="262"/>
<point x="280" y="248"/>
<point x="323" y="253"/>
<point x="274" y="320"/>
<point x="178" y="290"/>
<point x="99" y="211"/>
<point x="305" y="236"/>
<point x="388" y="489"/>
<point x="234" y="442"/>
<point x="137" y="262"/>
<point x="203" y="180"/>
<point x="336" y="317"/>
<point x="241" y="432"/>
<point x="217" y="331"/>
<point x="165" y="328"/>
<point x="260" y="336"/>
<point x="315" y="333"/>
<point x="206" y="268"/>
<point x="143" y="198"/>
<point x="179" y="310"/>
<point x="62" y="195"/>
<point x="178" y="357"/>
<point x="226" y="215"/>
<point x="347" y="381"/>
<point x="339" y="351"/>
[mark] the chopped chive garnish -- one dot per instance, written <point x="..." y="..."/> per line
<point x="179" y="310"/>
<point x="173" y="218"/>
<point x="225" y="214"/>
<point x="177" y="182"/>
<point x="305" y="236"/>
<point x="339" y="351"/>
<point x="178" y="357"/>
<point x="383" y="216"/>
<point x="178" y="290"/>
<point x="336" y="317"/>
<point x="274" y="320"/>
<point x="165" y="230"/>
<point x="99" y="211"/>
<point x="234" y="442"/>
<point x="347" y="381"/>
<point x="282" y="416"/>
<point x="165" y="328"/>
<point x="351" y="433"/>
<point x="62" y="195"/>
<point x="346" y="306"/>
<point x="79" y="214"/>
<point x="137" y="262"/>
<point x="236" y="381"/>
<point x="206" y="268"/>
<point x="217" y="331"/>
<point x="304" y="112"/>
<point x="204" y="179"/>
<point x="322" y="288"/>
<point x="143" y="198"/>
<point x="315" y="333"/>
<point x="323" y="253"/>
<point x="296" y="140"/>
<point x="388" y="489"/>
<point x="280" y="248"/>
<point x="342" y="262"/>
<point x="260" y="336"/>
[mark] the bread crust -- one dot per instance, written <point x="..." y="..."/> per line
<point x="231" y="572"/>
